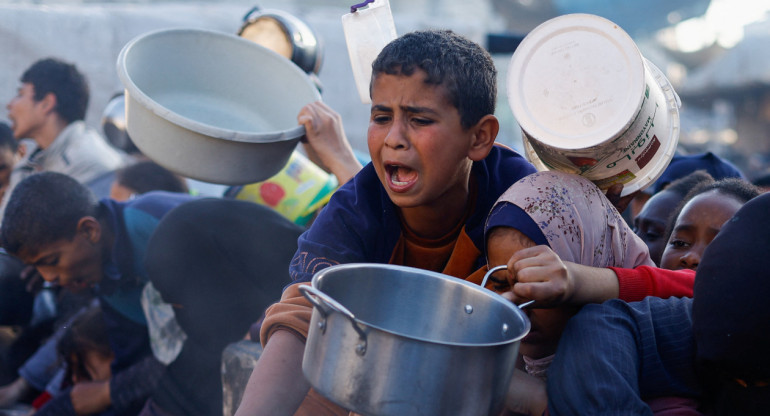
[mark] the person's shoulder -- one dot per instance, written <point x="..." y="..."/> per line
<point x="158" y="203"/>
<point x="360" y="206"/>
<point x="162" y="198"/>
<point x="503" y="167"/>
<point x="85" y="144"/>
<point x="509" y="156"/>
<point x="364" y="187"/>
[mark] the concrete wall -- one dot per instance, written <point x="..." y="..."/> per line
<point x="91" y="35"/>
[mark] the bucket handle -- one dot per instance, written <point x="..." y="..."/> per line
<point x="325" y="304"/>
<point x="354" y="8"/>
<point x="493" y="270"/>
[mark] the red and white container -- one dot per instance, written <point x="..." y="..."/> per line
<point x="589" y="103"/>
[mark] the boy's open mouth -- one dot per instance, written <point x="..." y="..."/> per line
<point x="401" y="175"/>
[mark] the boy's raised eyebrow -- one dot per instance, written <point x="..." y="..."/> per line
<point x="380" y="107"/>
<point x="408" y="109"/>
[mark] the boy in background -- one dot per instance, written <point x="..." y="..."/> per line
<point x="50" y="108"/>
<point x="422" y="202"/>
<point x="177" y="277"/>
<point x="55" y="223"/>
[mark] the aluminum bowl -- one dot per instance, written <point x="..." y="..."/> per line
<point x="212" y="106"/>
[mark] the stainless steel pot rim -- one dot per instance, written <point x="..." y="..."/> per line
<point x="134" y="92"/>
<point x="318" y="277"/>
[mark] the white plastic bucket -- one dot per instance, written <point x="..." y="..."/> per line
<point x="589" y="103"/>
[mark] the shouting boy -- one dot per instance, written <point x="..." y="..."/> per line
<point x="422" y="202"/>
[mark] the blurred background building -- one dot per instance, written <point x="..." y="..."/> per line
<point x="713" y="51"/>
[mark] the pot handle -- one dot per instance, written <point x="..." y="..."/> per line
<point x="324" y="303"/>
<point x="493" y="270"/>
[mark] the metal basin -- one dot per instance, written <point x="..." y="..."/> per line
<point x="212" y="106"/>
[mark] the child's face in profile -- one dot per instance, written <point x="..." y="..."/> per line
<point x="75" y="264"/>
<point x="547" y="324"/>
<point x="96" y="367"/>
<point x="417" y="144"/>
<point x="26" y="114"/>
<point x="650" y="225"/>
<point x="698" y="223"/>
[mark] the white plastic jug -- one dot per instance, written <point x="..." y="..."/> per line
<point x="368" y="28"/>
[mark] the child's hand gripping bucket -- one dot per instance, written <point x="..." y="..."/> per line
<point x="589" y="103"/>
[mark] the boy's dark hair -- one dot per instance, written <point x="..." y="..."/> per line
<point x="738" y="188"/>
<point x="462" y="66"/>
<point x="7" y="141"/>
<point x="146" y="176"/>
<point x="62" y="80"/>
<point x="44" y="208"/>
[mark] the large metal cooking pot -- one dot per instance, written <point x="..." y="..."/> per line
<point x="395" y="340"/>
<point x="212" y="106"/>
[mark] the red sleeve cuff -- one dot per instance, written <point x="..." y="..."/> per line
<point x="636" y="284"/>
<point x="632" y="284"/>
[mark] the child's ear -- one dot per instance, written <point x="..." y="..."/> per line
<point x="484" y="135"/>
<point x="91" y="228"/>
<point x="48" y="102"/>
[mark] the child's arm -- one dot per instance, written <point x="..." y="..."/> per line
<point x="538" y="273"/>
<point x="325" y="142"/>
<point x="636" y="284"/>
<point x="277" y="385"/>
<point x="526" y="394"/>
